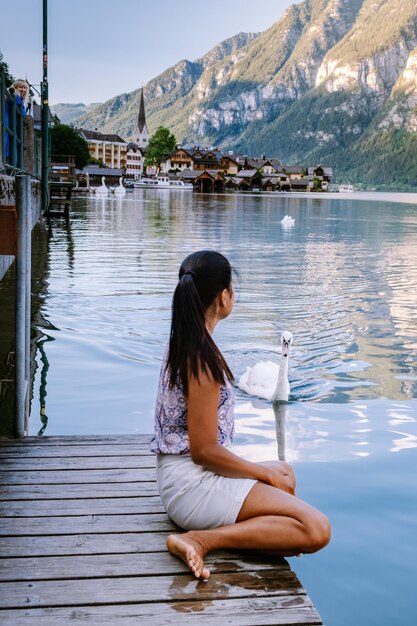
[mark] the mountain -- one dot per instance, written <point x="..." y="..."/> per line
<point x="67" y="113"/>
<point x="172" y="91"/>
<point x="332" y="81"/>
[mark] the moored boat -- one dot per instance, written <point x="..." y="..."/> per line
<point x="163" y="182"/>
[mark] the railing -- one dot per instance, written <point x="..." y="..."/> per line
<point x="62" y="168"/>
<point x="12" y="129"/>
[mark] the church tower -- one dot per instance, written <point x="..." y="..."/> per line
<point x="142" y="131"/>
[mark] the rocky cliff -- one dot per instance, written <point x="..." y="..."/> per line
<point x="332" y="81"/>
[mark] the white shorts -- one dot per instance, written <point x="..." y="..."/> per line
<point x="196" y="498"/>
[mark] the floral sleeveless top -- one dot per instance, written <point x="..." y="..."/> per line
<point x="171" y="432"/>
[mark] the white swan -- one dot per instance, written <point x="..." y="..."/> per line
<point x="102" y="189"/>
<point x="288" y="221"/>
<point x="120" y="190"/>
<point x="268" y="379"/>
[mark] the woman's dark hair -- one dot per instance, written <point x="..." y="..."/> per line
<point x="202" y="276"/>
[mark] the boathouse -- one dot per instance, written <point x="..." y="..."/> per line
<point x="205" y="181"/>
<point x="91" y="175"/>
<point x="248" y="180"/>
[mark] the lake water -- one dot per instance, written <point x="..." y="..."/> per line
<point x="343" y="280"/>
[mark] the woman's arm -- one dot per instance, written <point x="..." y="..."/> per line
<point x="203" y="401"/>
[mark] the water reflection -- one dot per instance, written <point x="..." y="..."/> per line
<point x="280" y="412"/>
<point x="43" y="383"/>
<point x="342" y="281"/>
<point x="316" y="432"/>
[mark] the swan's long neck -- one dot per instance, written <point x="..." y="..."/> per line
<point x="281" y="390"/>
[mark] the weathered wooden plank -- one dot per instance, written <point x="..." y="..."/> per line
<point x="82" y="440"/>
<point x="28" y="477"/>
<point x="90" y="506"/>
<point x="82" y="544"/>
<point x="87" y="490"/>
<point x="291" y="610"/>
<point x="83" y="525"/>
<point x="95" y="450"/>
<point x="147" y="589"/>
<point x="78" y="463"/>
<point x="133" y="564"/>
<point x="78" y="524"/>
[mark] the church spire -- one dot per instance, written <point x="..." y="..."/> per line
<point x="141" y="116"/>
<point x="142" y="130"/>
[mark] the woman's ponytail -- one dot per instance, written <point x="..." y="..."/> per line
<point x="191" y="348"/>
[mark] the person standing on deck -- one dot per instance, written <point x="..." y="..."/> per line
<point x="219" y="498"/>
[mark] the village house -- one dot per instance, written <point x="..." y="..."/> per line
<point x="272" y="165"/>
<point x="135" y="157"/>
<point x="231" y="164"/>
<point x="294" y="172"/>
<point x="196" y="158"/>
<point x="207" y="159"/>
<point x="322" y="174"/>
<point x="107" y="148"/>
<point x="264" y="165"/>
<point x="180" y="159"/>
<point x="239" y="171"/>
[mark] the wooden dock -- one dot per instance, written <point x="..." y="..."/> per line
<point x="60" y="198"/>
<point x="83" y="541"/>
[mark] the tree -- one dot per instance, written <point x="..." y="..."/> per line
<point x="162" y="141"/>
<point x="93" y="161"/>
<point x="5" y="69"/>
<point x="317" y="186"/>
<point x="66" y="141"/>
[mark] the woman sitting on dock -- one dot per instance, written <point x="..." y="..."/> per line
<point x="222" y="500"/>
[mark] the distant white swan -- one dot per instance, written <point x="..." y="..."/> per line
<point x="267" y="379"/>
<point x="120" y="190"/>
<point x="288" y="221"/>
<point x="102" y="189"/>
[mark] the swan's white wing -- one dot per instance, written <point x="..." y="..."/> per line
<point x="260" y="380"/>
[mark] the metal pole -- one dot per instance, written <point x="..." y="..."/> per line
<point x="28" y="274"/>
<point x="20" y="365"/>
<point x="45" y="111"/>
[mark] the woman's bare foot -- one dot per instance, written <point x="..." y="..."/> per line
<point x="190" y="551"/>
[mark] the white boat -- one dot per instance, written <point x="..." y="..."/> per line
<point x="162" y="182"/>
<point x="345" y="188"/>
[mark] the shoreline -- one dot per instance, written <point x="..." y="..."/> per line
<point x="401" y="197"/>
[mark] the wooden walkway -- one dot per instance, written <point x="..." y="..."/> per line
<point x="83" y="540"/>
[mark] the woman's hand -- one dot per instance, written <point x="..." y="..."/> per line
<point x="280" y="475"/>
<point x="203" y="400"/>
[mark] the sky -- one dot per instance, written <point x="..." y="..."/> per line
<point x="98" y="49"/>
